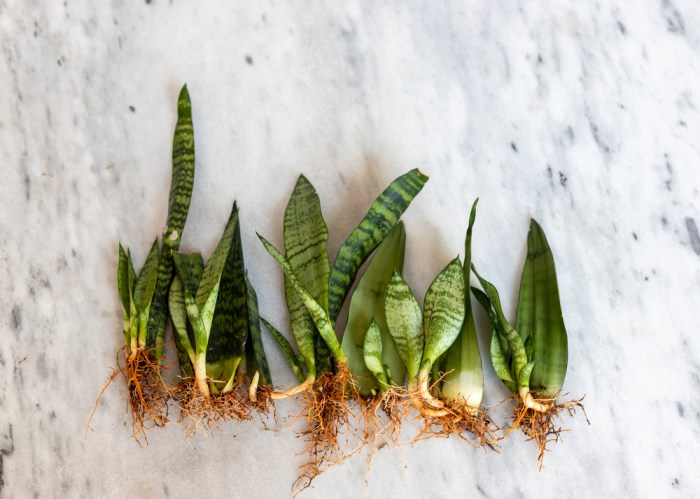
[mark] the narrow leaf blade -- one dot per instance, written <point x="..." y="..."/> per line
<point x="381" y="217"/>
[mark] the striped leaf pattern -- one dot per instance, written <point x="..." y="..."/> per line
<point x="255" y="340"/>
<point x="463" y="360"/>
<point x="179" y="203"/>
<point x="305" y="242"/>
<point x="229" y="326"/>
<point x="178" y="314"/>
<point x="381" y="217"/>
<point x="518" y="356"/>
<point x="287" y="350"/>
<point x="146" y="281"/>
<point x="405" y="322"/>
<point x="189" y="269"/>
<point x="317" y="312"/>
<point x="443" y="312"/>
<point x="372" y="352"/>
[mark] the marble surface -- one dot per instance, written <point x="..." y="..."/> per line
<point x="583" y="115"/>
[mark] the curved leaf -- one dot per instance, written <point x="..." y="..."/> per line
<point x="381" y="217"/>
<point x="287" y="350"/>
<point x="317" y="312"/>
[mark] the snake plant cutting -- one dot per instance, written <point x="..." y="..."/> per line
<point x="315" y="291"/>
<point x="531" y="358"/>
<point x="144" y="298"/>
<point x="217" y="331"/>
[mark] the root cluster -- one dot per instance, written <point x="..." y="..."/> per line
<point x="148" y="396"/>
<point x="327" y="413"/>
<point x="198" y="411"/>
<point x="467" y="423"/>
<point x="543" y="427"/>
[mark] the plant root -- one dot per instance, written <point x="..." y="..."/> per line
<point x="542" y="427"/>
<point x="382" y="417"/>
<point x="147" y="393"/>
<point x="199" y="411"/>
<point x="263" y="403"/>
<point x="471" y="424"/>
<point x="327" y="413"/>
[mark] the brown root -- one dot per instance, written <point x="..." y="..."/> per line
<point x="199" y="411"/>
<point x="148" y="395"/>
<point x="382" y="417"/>
<point x="471" y="424"/>
<point x="327" y="413"/>
<point x="263" y="403"/>
<point x="542" y="426"/>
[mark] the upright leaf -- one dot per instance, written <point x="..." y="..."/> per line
<point x="381" y="217"/>
<point x="542" y="316"/>
<point x="305" y="241"/>
<point x="178" y="314"/>
<point x="405" y="322"/>
<point x="255" y="339"/>
<point x="146" y="281"/>
<point x="179" y="203"/>
<point x="443" y="312"/>
<point x="464" y="372"/>
<point x="372" y="353"/>
<point x="367" y="302"/>
<point x="215" y="266"/>
<point x="229" y="327"/>
<point x="123" y="280"/>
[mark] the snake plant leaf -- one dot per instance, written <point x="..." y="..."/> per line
<point x="381" y="217"/>
<point x="405" y="322"/>
<point x="305" y="244"/>
<point x="500" y="364"/>
<point x="207" y="292"/>
<point x="123" y="280"/>
<point x="464" y="376"/>
<point x="292" y="358"/>
<point x="303" y="327"/>
<point x="372" y="353"/>
<point x="255" y="339"/>
<point x="317" y="312"/>
<point x="443" y="312"/>
<point x="229" y="326"/>
<point x="515" y="344"/>
<point x="488" y="308"/>
<point x="179" y="203"/>
<point x="146" y="281"/>
<point x="132" y="336"/>
<point x="190" y="269"/>
<point x="540" y="315"/>
<point x="178" y="314"/>
<point x="367" y="302"/>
